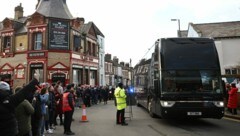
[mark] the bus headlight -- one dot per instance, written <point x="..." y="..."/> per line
<point x="219" y="103"/>
<point x="167" y="103"/>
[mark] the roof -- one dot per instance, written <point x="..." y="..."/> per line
<point x="86" y="27"/>
<point x="54" y="8"/>
<point x="218" y="30"/>
<point x="23" y="29"/>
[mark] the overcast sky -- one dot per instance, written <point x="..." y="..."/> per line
<point x="132" y="26"/>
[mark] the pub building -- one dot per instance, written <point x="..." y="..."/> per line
<point x="51" y="41"/>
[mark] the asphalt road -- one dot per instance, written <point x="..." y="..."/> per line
<point x="101" y="122"/>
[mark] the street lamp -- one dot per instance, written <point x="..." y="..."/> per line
<point x="179" y="32"/>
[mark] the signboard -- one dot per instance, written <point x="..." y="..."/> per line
<point x="37" y="65"/>
<point x="36" y="54"/>
<point x="59" y="35"/>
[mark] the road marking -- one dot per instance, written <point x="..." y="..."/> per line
<point x="159" y="132"/>
<point x="231" y="119"/>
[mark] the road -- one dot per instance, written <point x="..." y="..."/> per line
<point x="101" y="122"/>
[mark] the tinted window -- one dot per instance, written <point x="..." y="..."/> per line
<point x="189" y="54"/>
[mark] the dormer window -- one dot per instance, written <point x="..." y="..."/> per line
<point x="7" y="42"/>
<point x="77" y="43"/>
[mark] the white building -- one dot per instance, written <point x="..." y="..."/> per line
<point x="102" y="81"/>
<point x="227" y="40"/>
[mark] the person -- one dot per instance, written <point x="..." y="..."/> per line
<point x="233" y="99"/>
<point x="23" y="114"/>
<point x="37" y="116"/>
<point x="58" y="91"/>
<point x="44" y="96"/>
<point x="120" y="96"/>
<point x="8" y="103"/>
<point x="51" y="109"/>
<point x="68" y="109"/>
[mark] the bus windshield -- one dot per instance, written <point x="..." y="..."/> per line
<point x="191" y="81"/>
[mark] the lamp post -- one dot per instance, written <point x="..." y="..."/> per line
<point x="179" y="32"/>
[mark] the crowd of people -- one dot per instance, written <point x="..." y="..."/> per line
<point x="34" y="109"/>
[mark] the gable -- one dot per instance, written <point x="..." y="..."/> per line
<point x="92" y="32"/>
<point x="59" y="65"/>
<point x="7" y="23"/>
<point x="37" y="19"/>
<point x="6" y="67"/>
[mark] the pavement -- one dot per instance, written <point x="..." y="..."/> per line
<point x="229" y="115"/>
<point x="78" y="126"/>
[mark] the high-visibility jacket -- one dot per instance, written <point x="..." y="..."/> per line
<point x="66" y="106"/>
<point x="120" y="96"/>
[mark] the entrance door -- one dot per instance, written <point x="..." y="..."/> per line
<point x="59" y="77"/>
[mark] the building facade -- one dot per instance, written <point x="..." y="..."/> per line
<point x="227" y="38"/>
<point x="51" y="41"/>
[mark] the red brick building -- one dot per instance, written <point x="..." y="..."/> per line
<point x="52" y="41"/>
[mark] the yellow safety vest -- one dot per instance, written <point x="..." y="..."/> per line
<point x="120" y="96"/>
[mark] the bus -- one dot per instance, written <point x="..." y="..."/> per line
<point x="183" y="79"/>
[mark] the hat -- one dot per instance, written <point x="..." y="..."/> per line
<point x="120" y="84"/>
<point x="4" y="86"/>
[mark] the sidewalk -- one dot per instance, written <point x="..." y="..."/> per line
<point x="229" y="115"/>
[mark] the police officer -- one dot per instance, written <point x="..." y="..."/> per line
<point x="68" y="109"/>
<point x="120" y="96"/>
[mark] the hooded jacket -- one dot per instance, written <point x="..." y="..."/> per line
<point x="8" y="122"/>
<point x="233" y="98"/>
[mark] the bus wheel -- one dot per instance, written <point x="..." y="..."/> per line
<point x="150" y="109"/>
<point x="138" y="103"/>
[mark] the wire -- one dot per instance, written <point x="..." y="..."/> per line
<point x="147" y="51"/>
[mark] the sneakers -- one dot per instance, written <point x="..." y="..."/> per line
<point x="53" y="127"/>
<point x="49" y="131"/>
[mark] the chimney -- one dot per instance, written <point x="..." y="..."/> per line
<point x="18" y="12"/>
<point x="122" y="63"/>
<point x="82" y="20"/>
<point x="115" y="60"/>
<point x="108" y="57"/>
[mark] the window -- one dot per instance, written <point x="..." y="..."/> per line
<point x="37" y="41"/>
<point x="38" y="67"/>
<point x="227" y="71"/>
<point x="232" y="71"/>
<point x="77" y="43"/>
<point x="7" y="42"/>
<point x="101" y="60"/>
<point x="191" y="81"/>
<point x="94" y="49"/>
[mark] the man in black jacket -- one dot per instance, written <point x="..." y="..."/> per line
<point x="8" y="122"/>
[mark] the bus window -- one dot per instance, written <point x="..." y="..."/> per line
<point x="191" y="81"/>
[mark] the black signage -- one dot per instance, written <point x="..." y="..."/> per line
<point x="36" y="65"/>
<point x="59" y="35"/>
<point x="58" y="75"/>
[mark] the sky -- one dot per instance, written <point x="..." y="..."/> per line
<point x="131" y="27"/>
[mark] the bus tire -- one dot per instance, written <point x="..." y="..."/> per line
<point x="139" y="105"/>
<point x="150" y="109"/>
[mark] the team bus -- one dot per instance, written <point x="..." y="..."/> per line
<point x="183" y="79"/>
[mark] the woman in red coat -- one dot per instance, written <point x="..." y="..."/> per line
<point x="233" y="99"/>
